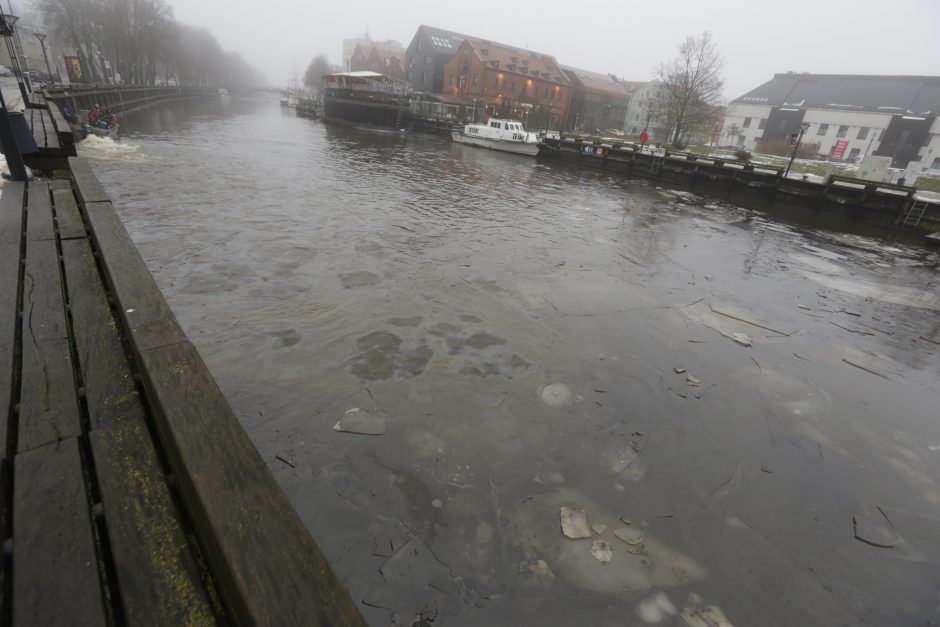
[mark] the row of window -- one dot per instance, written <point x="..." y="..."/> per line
<point x="821" y="131"/>
<point x="509" y="87"/>
<point x="843" y="131"/>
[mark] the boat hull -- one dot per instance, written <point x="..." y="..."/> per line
<point x="503" y="145"/>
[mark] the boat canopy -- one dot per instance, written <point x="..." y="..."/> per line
<point x="356" y="77"/>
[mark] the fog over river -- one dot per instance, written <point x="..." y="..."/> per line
<point x="746" y="411"/>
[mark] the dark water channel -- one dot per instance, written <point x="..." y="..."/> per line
<point x="532" y="337"/>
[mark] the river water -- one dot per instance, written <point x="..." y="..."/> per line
<point x="533" y="337"/>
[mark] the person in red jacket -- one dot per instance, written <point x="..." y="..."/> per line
<point x="94" y="114"/>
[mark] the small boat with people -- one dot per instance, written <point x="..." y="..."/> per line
<point x="499" y="134"/>
<point x="96" y="121"/>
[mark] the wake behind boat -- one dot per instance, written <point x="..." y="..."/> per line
<point x="497" y="134"/>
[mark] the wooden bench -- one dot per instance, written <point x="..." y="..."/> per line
<point x="61" y="127"/>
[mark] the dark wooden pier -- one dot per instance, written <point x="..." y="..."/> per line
<point x="129" y="492"/>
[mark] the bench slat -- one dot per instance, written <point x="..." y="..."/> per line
<point x="55" y="574"/>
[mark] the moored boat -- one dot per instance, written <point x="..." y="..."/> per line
<point x="499" y="134"/>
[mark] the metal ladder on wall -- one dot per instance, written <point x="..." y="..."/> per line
<point x="915" y="213"/>
<point x="657" y="165"/>
<point x="398" y="114"/>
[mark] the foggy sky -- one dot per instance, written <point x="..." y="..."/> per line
<point x="626" y="37"/>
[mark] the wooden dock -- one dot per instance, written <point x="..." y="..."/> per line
<point x="129" y="492"/>
<point x="878" y="207"/>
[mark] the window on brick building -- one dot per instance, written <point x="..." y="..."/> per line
<point x="863" y="132"/>
<point x="747" y="123"/>
<point x="823" y="129"/>
<point x="842" y="131"/>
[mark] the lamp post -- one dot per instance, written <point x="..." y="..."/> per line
<point x="42" y="42"/>
<point x="874" y="133"/>
<point x="803" y="127"/>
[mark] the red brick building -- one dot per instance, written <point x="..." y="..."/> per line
<point x="496" y="76"/>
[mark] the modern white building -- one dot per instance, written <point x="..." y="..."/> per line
<point x="847" y="116"/>
<point x="642" y="108"/>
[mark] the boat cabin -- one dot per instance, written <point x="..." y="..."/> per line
<point x="507" y="125"/>
<point x="502" y="129"/>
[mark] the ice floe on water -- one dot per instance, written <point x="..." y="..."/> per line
<point x="607" y="564"/>
<point x="557" y="395"/>
<point x="888" y="293"/>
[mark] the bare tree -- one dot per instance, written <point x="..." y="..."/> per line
<point x="691" y="86"/>
<point x="133" y="38"/>
<point x="319" y="66"/>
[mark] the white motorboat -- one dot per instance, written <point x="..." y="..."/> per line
<point x="505" y="135"/>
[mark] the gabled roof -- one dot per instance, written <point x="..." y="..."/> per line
<point x="444" y="41"/>
<point x="389" y="48"/>
<point x="603" y="83"/>
<point x="917" y="95"/>
<point x="516" y="60"/>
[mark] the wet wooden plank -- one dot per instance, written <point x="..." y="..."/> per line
<point x="55" y="578"/>
<point x="11" y="229"/>
<point x="62" y="128"/>
<point x="67" y="216"/>
<point x="35" y="125"/>
<point x="52" y="139"/>
<point x="87" y="185"/>
<point x="266" y="565"/>
<point x="48" y="405"/>
<point x="158" y="578"/>
<point x="39" y="212"/>
<point x="43" y="305"/>
<point x="109" y="387"/>
<point x="145" y="313"/>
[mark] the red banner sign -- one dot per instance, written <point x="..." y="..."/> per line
<point x="839" y="149"/>
<point x="73" y="65"/>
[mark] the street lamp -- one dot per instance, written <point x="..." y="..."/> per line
<point x="796" y="146"/>
<point x="42" y="42"/>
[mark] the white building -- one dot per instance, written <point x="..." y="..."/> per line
<point x="848" y="116"/>
<point x="643" y="107"/>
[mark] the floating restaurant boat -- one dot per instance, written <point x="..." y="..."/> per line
<point x="498" y="134"/>
<point x="366" y="99"/>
